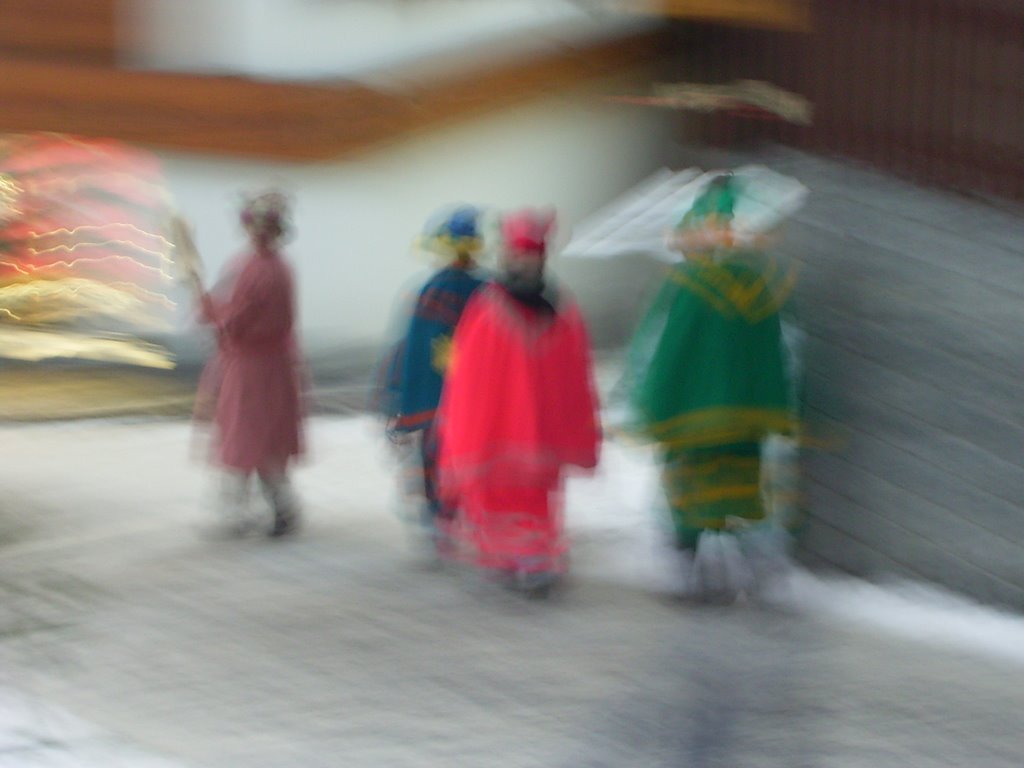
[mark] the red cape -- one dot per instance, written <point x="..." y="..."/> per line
<point x="519" y="402"/>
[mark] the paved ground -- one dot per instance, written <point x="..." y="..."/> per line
<point x="337" y="648"/>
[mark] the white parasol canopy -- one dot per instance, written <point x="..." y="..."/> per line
<point x="638" y="222"/>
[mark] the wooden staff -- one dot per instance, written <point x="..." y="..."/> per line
<point x="186" y="256"/>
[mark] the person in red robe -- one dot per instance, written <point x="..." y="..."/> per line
<point x="518" y="408"/>
<point x="251" y="388"/>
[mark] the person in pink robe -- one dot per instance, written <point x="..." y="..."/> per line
<point x="251" y="389"/>
<point x="518" y="408"/>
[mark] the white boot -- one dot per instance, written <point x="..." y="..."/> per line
<point x="278" y="492"/>
<point x="236" y="517"/>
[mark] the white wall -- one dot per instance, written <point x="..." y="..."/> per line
<point x="332" y="38"/>
<point x="185" y="35"/>
<point x="357" y="219"/>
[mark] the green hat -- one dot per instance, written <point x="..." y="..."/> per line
<point x="735" y="209"/>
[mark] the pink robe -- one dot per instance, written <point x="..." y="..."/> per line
<point x="252" y="386"/>
<point x="519" y="406"/>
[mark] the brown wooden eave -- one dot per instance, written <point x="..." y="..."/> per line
<point x="283" y="120"/>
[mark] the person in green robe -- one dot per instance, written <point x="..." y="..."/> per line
<point x="708" y="371"/>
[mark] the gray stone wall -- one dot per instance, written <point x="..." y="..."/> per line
<point x="913" y="302"/>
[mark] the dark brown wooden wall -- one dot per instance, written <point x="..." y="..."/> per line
<point x="929" y="89"/>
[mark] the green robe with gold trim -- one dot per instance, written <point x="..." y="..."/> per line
<point x="709" y="382"/>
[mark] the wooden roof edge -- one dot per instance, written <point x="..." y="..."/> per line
<point x="286" y="121"/>
<point x="779" y="15"/>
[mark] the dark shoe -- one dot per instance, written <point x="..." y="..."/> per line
<point x="285" y="523"/>
<point x="537" y="584"/>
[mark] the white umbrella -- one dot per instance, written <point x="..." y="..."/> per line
<point x="638" y="222"/>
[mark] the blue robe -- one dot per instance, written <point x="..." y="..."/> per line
<point x="418" y="370"/>
<point x="414" y="375"/>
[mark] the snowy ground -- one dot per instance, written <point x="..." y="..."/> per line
<point x="336" y="648"/>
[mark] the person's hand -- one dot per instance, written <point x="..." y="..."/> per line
<point x="402" y="440"/>
<point x="207" y="308"/>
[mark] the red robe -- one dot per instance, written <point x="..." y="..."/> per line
<point x="252" y="384"/>
<point x="519" y="405"/>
